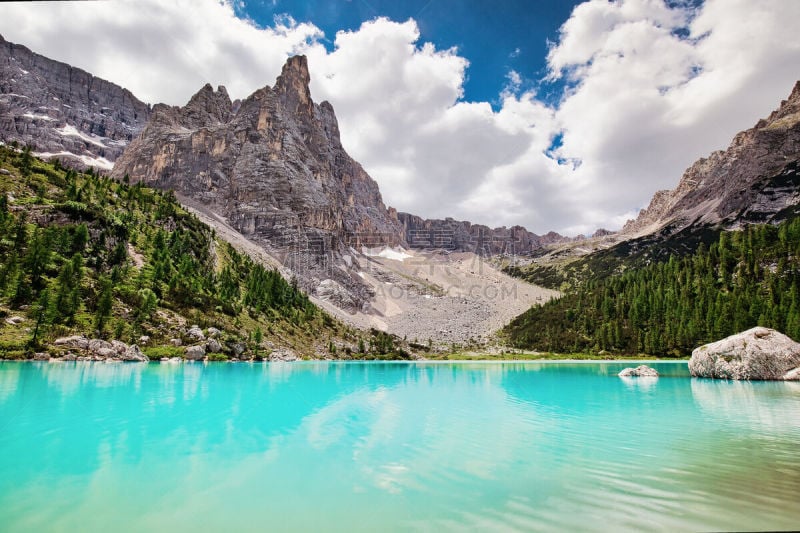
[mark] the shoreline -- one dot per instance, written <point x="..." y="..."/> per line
<point x="356" y="361"/>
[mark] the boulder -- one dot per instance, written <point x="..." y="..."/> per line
<point x="97" y="345"/>
<point x="176" y="342"/>
<point x="195" y="333"/>
<point x="41" y="356"/>
<point x="282" y="354"/>
<point x="213" y="332"/>
<point x="75" y="341"/>
<point x="144" y="340"/>
<point x="105" y="353"/>
<point x="641" y="371"/>
<point x="133" y="353"/>
<point x="69" y="357"/>
<point x="213" y="346"/>
<point x="119" y="347"/>
<point x="758" y="353"/>
<point x="14" y="320"/>
<point x="195" y="352"/>
<point x="792" y="375"/>
<point x="237" y="348"/>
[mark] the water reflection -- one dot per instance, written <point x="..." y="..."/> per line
<point x="384" y="445"/>
<point x="770" y="407"/>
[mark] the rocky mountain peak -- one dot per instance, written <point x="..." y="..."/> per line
<point x="275" y="169"/>
<point x="208" y="107"/>
<point x="292" y="85"/>
<point x="754" y="180"/>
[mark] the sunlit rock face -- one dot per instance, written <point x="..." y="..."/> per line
<point x="755" y="180"/>
<point x="273" y="165"/>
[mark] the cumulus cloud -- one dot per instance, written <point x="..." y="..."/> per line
<point x="161" y="51"/>
<point x="648" y="88"/>
<point x="654" y="88"/>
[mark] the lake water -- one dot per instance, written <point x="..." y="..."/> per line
<point x="392" y="446"/>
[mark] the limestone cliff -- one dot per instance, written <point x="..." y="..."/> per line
<point x="754" y="180"/>
<point x="274" y="166"/>
<point x="63" y="111"/>
<point x="463" y="236"/>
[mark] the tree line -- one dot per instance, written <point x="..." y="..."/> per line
<point x="83" y="252"/>
<point x="746" y="278"/>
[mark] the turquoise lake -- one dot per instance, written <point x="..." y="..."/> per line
<point x="392" y="446"/>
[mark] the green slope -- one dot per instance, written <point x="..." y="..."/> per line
<point x="668" y="303"/>
<point x="84" y="254"/>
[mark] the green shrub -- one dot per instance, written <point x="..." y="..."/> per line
<point x="157" y="352"/>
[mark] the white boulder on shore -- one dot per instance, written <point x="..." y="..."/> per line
<point x="195" y="353"/>
<point x="641" y="371"/>
<point x="758" y="354"/>
<point x="100" y="349"/>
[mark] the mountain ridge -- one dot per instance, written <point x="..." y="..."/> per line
<point x="275" y="168"/>
<point x="733" y="186"/>
<point x="64" y="111"/>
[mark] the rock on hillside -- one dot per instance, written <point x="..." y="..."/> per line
<point x="758" y="353"/>
<point x="755" y="180"/>
<point x="63" y="111"/>
<point x="273" y="165"/>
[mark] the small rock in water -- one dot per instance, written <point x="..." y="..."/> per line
<point x="641" y="371"/>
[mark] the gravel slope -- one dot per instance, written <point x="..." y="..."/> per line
<point x="431" y="295"/>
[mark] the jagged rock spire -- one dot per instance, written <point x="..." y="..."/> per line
<point x="292" y="85"/>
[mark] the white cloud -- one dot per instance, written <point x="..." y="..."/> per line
<point x="161" y="51"/>
<point x="647" y="102"/>
<point x="649" y="89"/>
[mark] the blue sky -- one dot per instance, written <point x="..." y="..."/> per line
<point x="436" y="104"/>
<point x="495" y="36"/>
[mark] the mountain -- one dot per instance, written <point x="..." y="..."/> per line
<point x="463" y="236"/>
<point x="63" y="111"/>
<point x="89" y="264"/>
<point x="717" y="255"/>
<point x="273" y="165"/>
<point x="754" y="180"/>
<point x="745" y="278"/>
